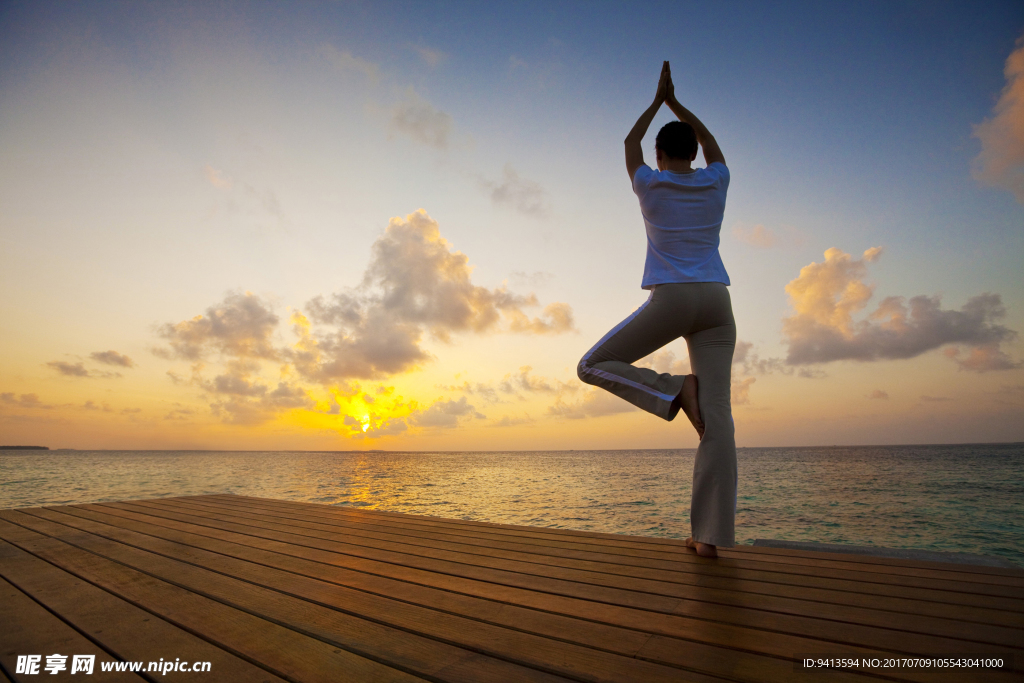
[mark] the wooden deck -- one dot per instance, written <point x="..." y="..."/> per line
<point x="271" y="590"/>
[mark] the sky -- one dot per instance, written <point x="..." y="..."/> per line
<point x="381" y="225"/>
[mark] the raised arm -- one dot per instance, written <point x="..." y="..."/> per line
<point x="634" y="152"/>
<point x="712" y="152"/>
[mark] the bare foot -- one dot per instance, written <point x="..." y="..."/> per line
<point x="687" y="399"/>
<point x="703" y="549"/>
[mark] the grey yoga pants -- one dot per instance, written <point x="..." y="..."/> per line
<point x="700" y="312"/>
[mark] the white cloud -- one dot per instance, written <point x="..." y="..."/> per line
<point x="1001" y="161"/>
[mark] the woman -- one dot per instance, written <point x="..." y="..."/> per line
<point x="682" y="209"/>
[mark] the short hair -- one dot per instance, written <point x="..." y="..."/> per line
<point x="677" y="139"/>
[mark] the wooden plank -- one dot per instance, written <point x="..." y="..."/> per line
<point x="288" y="654"/>
<point x="659" y="544"/>
<point x="773" y="620"/>
<point x="317" y="607"/>
<point x="981" y="633"/>
<point x="29" y="629"/>
<point x="719" y="589"/>
<point x="126" y="631"/>
<point x="591" y="628"/>
<point x="629" y="557"/>
<point x="1004" y="576"/>
<point x="981" y="569"/>
<point x="654" y="581"/>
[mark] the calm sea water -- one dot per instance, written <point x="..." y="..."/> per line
<point x="961" y="498"/>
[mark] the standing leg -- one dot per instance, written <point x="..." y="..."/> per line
<point x="713" y="505"/>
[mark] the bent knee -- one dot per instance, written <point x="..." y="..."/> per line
<point x="582" y="371"/>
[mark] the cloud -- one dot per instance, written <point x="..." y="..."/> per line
<point x="740" y="391"/>
<point x="524" y="381"/>
<point x="217" y="178"/>
<point x="878" y="393"/>
<point x="241" y="325"/>
<point x="664" y="360"/>
<point x="556" y="319"/>
<point x="982" y="358"/>
<point x="935" y="399"/>
<point x="525" y="196"/>
<point x="507" y="421"/>
<point x="757" y="235"/>
<point x="415" y="284"/>
<point x="179" y="413"/>
<point x="69" y="369"/>
<point x="418" y="119"/>
<point x="1001" y="160"/>
<point x="240" y="396"/>
<point x="267" y="199"/>
<point x="344" y="61"/>
<point x="79" y="370"/>
<point x="23" y="401"/>
<point x="537" y="278"/>
<point x="446" y="413"/>
<point x="431" y="57"/>
<point x="826" y="295"/>
<point x="388" y="427"/>
<point x="763" y="237"/>
<point x="112" y="358"/>
<point x="595" y="403"/>
<point x="485" y="391"/>
<point x="253" y="403"/>
<point x="748" y="362"/>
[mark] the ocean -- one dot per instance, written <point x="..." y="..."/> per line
<point x="955" y="498"/>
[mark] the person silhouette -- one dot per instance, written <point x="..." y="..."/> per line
<point x="682" y="209"/>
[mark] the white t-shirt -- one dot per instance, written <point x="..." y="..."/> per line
<point x="683" y="215"/>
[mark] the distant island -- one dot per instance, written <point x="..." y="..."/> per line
<point x="24" y="448"/>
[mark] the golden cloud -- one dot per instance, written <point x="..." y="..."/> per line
<point x="415" y="284"/>
<point x="826" y="296"/>
<point x="1001" y="161"/>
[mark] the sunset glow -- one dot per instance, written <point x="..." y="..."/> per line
<point x="317" y="227"/>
